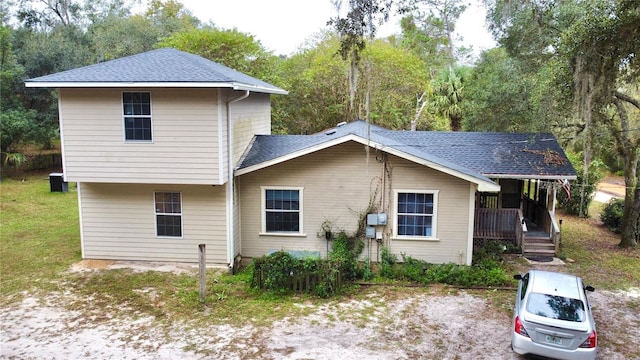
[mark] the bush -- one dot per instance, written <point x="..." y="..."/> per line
<point x="611" y="215"/>
<point x="273" y="272"/>
<point x="281" y="272"/>
<point x="487" y="272"/>
<point x="413" y="269"/>
<point x="491" y="251"/>
<point x="387" y="262"/>
<point x="344" y="253"/>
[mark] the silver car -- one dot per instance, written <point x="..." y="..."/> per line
<point x="552" y="317"/>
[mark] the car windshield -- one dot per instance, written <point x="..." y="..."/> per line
<point x="556" y="307"/>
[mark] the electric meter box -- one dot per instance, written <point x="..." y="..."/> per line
<point x="370" y="232"/>
<point x="377" y="219"/>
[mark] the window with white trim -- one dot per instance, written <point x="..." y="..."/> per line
<point x="282" y="210"/>
<point x="415" y="213"/>
<point x="168" y="214"/>
<point x="136" y="107"/>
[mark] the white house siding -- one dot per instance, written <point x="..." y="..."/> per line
<point x="336" y="186"/>
<point x="251" y="116"/>
<point x="452" y="231"/>
<point x="185" y="146"/>
<point x="339" y="183"/>
<point x="237" y="216"/>
<point x="119" y="223"/>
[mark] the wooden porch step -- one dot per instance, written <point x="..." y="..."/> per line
<point x="537" y="240"/>
<point x="545" y="253"/>
<point x="538" y="246"/>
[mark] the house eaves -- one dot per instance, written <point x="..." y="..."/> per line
<point x="531" y="176"/>
<point x="234" y="86"/>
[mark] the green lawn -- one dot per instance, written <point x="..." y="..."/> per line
<point x="598" y="259"/>
<point x="39" y="234"/>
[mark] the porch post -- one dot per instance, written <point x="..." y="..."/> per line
<point x="471" y="227"/>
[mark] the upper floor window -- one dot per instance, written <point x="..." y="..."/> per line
<point x="282" y="210"/>
<point x="415" y="213"/>
<point x="168" y="214"/>
<point x="137" y="116"/>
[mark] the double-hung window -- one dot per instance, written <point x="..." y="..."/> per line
<point x="416" y="214"/>
<point x="136" y="108"/>
<point x="282" y="210"/>
<point x="168" y="214"/>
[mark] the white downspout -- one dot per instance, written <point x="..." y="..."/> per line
<point x="230" y="187"/>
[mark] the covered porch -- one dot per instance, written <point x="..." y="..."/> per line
<point x="523" y="213"/>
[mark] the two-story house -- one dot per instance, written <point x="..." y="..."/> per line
<point x="151" y="141"/>
<point x="170" y="150"/>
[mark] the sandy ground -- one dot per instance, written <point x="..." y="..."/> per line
<point x="427" y="325"/>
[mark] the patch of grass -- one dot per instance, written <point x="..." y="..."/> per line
<point x="598" y="259"/>
<point x="39" y="234"/>
<point x="171" y="297"/>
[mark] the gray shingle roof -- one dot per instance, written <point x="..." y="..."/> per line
<point x="478" y="154"/>
<point x="164" y="66"/>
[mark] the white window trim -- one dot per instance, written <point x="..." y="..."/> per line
<point x="150" y="116"/>
<point x="155" y="216"/>
<point x="263" y="209"/>
<point x="434" y="221"/>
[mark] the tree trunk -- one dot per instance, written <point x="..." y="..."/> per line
<point x="455" y="122"/>
<point x="627" y="148"/>
<point x="420" y="104"/>
<point x="631" y="214"/>
<point x="353" y="86"/>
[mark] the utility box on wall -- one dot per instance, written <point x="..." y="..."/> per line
<point x="377" y="219"/>
<point x="370" y="232"/>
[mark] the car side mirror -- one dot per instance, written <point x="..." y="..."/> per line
<point x="590" y="288"/>
<point x="517" y="276"/>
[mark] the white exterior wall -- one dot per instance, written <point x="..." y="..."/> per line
<point x="189" y="135"/>
<point x="249" y="117"/>
<point x="452" y="232"/>
<point x="338" y="184"/>
<point x="118" y="222"/>
<point x="184" y="130"/>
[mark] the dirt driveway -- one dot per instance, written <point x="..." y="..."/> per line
<point x="417" y="324"/>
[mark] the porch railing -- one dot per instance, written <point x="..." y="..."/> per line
<point x="554" y="231"/>
<point x="522" y="230"/>
<point x="497" y="224"/>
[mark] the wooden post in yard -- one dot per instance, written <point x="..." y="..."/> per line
<point x="202" y="258"/>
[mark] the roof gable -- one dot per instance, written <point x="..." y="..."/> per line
<point x="166" y="67"/>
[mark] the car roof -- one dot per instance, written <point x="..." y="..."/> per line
<point x="554" y="283"/>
